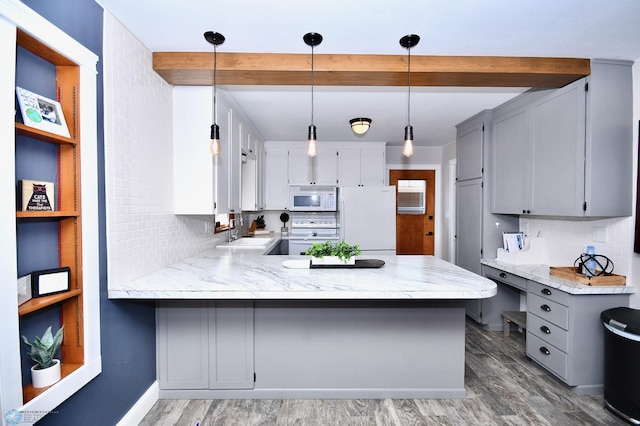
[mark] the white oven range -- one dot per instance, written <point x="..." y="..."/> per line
<point x="307" y="229"/>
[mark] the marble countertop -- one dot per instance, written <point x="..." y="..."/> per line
<point x="245" y="274"/>
<point x="540" y="273"/>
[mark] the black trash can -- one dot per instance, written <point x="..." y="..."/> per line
<point x="622" y="362"/>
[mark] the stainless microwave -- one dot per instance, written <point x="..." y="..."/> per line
<point x="313" y="198"/>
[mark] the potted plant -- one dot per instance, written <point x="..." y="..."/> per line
<point x="46" y="371"/>
<point x="329" y="253"/>
<point x="284" y="218"/>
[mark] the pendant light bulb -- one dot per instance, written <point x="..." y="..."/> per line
<point x="214" y="147"/>
<point x="407" y="150"/>
<point x="312" y="39"/>
<point x="215" y="39"/>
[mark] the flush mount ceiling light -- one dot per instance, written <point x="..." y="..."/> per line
<point x="215" y="39"/>
<point x="408" y="42"/>
<point x="360" y="126"/>
<point x="312" y="39"/>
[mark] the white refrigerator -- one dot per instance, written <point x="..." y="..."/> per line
<point x="368" y="218"/>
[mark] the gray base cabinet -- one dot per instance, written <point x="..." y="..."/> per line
<point x="565" y="334"/>
<point x="205" y="345"/>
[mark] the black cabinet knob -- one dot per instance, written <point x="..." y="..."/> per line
<point x="546" y="291"/>
<point x="544" y="350"/>
<point x="545" y="308"/>
<point x="545" y="329"/>
<point x="503" y="275"/>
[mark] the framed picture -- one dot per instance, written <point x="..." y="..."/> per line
<point x="50" y="281"/>
<point x="41" y="113"/>
<point x="36" y="195"/>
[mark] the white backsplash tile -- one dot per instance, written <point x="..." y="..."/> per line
<point x="564" y="240"/>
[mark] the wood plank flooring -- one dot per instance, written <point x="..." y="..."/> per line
<point x="503" y="388"/>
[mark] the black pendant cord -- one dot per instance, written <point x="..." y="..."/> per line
<point x="312" y="83"/>
<point x="409" y="92"/>
<point x="215" y="66"/>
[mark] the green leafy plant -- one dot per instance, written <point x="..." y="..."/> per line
<point x="342" y="250"/>
<point x="42" y="350"/>
<point x="284" y="218"/>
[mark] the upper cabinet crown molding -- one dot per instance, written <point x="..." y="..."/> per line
<point x="195" y="68"/>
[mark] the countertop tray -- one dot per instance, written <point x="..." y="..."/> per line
<point x="569" y="273"/>
<point x="360" y="263"/>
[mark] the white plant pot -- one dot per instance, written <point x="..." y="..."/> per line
<point x="332" y="260"/>
<point x="41" y="378"/>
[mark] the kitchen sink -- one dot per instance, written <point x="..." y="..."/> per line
<point x="248" y="243"/>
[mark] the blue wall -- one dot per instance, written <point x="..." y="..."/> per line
<point x="127" y="328"/>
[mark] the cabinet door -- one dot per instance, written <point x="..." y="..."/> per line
<point x="372" y="167"/>
<point x="235" y="148"/>
<point x="300" y="167"/>
<point x="558" y="132"/>
<point x="183" y="344"/>
<point x="231" y="345"/>
<point x="222" y="162"/>
<point x="193" y="172"/>
<point x="349" y="167"/>
<point x="469" y="225"/>
<point x="510" y="160"/>
<point x="469" y="146"/>
<point x="276" y="180"/>
<point x="261" y="175"/>
<point x="325" y="167"/>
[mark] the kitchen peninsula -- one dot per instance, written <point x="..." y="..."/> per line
<point x="232" y="323"/>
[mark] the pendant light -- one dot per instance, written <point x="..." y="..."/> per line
<point x="408" y="42"/>
<point x="215" y="39"/>
<point x="312" y="39"/>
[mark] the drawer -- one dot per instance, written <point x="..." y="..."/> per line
<point x="549" y="292"/>
<point x="505" y="277"/>
<point x="550" y="357"/>
<point x="548" y="332"/>
<point x="548" y="310"/>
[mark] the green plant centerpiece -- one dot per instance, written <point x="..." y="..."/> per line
<point x="333" y="253"/>
<point x="42" y="350"/>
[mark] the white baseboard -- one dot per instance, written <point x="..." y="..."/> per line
<point x="135" y="415"/>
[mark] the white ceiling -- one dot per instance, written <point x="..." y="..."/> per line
<point x="551" y="28"/>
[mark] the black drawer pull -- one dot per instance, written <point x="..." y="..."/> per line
<point x="545" y="308"/>
<point x="544" y="350"/>
<point x="545" y="329"/>
<point x="503" y="275"/>
<point x="546" y="291"/>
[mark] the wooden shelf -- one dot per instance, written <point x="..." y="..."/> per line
<point x="44" y="301"/>
<point x="29" y="392"/>
<point x="43" y="136"/>
<point x="47" y="215"/>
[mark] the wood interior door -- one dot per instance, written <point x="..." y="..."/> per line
<point x="415" y="233"/>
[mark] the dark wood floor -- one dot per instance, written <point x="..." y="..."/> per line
<point x="503" y="388"/>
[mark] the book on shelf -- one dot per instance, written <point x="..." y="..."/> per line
<point x="36" y="196"/>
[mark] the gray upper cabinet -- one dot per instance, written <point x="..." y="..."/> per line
<point x="567" y="152"/>
<point x="469" y="142"/>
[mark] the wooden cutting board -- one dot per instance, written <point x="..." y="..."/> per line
<point x="569" y="273"/>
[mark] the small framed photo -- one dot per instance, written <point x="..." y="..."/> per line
<point x="41" y="113"/>
<point x="50" y="281"/>
<point x="36" y="195"/>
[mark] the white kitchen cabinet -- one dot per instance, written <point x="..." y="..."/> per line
<point x="361" y="167"/>
<point x="567" y="152"/>
<point x="193" y="166"/>
<point x="253" y="180"/>
<point x="277" y="178"/>
<point x="204" y="184"/>
<point x="204" y="345"/>
<point x="235" y="161"/>
<point x="319" y="170"/>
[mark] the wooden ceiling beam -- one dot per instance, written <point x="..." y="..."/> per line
<point x="196" y="68"/>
